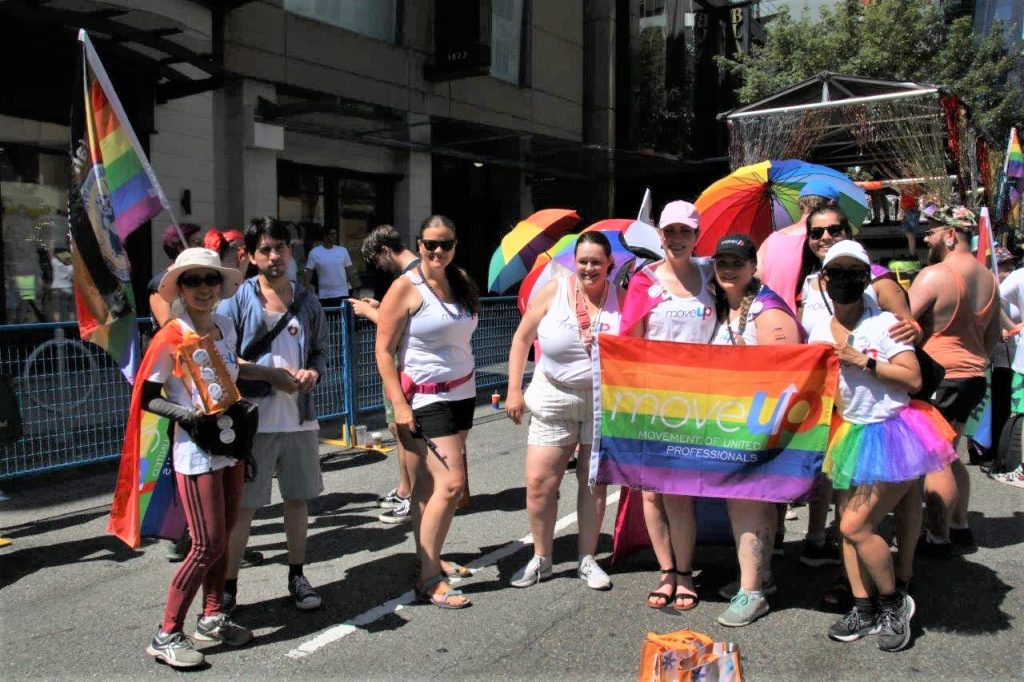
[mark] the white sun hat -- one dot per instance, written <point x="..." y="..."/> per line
<point x="198" y="258"/>
<point x="848" y="249"/>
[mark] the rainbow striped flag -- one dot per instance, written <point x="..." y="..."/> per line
<point x="113" y="192"/>
<point x="749" y="422"/>
<point x="1014" y="172"/>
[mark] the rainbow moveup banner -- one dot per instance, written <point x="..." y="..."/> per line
<point x="747" y="422"/>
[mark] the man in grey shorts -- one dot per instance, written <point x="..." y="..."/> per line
<point x="282" y="330"/>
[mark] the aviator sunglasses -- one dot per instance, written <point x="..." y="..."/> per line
<point x="193" y="281"/>
<point x="819" y="232"/>
<point x="432" y="244"/>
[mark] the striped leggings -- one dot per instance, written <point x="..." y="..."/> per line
<point x="210" y="502"/>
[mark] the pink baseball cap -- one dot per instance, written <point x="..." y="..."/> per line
<point x="681" y="212"/>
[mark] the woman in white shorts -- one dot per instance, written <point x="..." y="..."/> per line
<point x="566" y="318"/>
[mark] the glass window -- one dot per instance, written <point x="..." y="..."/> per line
<point x="506" y="39"/>
<point x="33" y="220"/>
<point x="372" y="18"/>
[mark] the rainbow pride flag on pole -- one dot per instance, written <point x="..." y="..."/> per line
<point x="717" y="421"/>
<point x="113" y="192"/>
<point x="1013" y="172"/>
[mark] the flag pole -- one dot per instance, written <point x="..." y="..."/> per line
<point x="93" y="60"/>
<point x="1001" y="196"/>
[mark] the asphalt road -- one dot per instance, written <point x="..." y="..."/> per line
<point x="76" y="604"/>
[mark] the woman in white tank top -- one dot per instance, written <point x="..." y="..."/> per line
<point x="748" y="313"/>
<point x="682" y="310"/>
<point x="566" y="317"/>
<point x="427" y="318"/>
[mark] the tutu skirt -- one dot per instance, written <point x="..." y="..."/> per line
<point x="914" y="442"/>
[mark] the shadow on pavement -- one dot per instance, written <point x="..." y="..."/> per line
<point x="510" y="499"/>
<point x="54" y="523"/>
<point x="994" y="532"/>
<point x="24" y="562"/>
<point x="363" y="587"/>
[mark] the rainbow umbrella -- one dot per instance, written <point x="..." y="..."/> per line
<point x="759" y="199"/>
<point x="560" y="259"/>
<point x="519" y="249"/>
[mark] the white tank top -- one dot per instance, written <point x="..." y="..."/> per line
<point x="817" y="305"/>
<point x="436" y="346"/>
<point x="729" y="334"/>
<point x="684" y="320"/>
<point x="563" y="358"/>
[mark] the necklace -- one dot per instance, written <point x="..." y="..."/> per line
<point x="452" y="314"/>
<point x="586" y="327"/>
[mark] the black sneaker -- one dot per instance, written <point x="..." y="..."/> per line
<point x="934" y="550"/>
<point x="178" y="550"/>
<point x="961" y="536"/>
<point x="174" y="649"/>
<point x="894" y="625"/>
<point x="852" y="627"/>
<point x="306" y="598"/>
<point x="220" y="628"/>
<point x="825" y="554"/>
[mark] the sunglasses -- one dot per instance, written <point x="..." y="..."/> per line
<point x="193" y="281"/>
<point x="819" y="232"/>
<point x="846" y="275"/>
<point x="432" y="244"/>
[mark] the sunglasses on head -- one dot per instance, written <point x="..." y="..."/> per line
<point x="432" y="244"/>
<point x="819" y="232"/>
<point x="837" y="274"/>
<point x="192" y="281"/>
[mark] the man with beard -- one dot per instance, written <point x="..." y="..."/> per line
<point x="956" y="300"/>
<point x="281" y="331"/>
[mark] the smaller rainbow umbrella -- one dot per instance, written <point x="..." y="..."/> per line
<point x="519" y="249"/>
<point x="560" y="259"/>
<point x="758" y="199"/>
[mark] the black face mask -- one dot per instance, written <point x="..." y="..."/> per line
<point x="845" y="291"/>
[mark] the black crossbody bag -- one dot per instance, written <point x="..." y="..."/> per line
<point x="257" y="388"/>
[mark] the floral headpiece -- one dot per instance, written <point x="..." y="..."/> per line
<point x="958" y="217"/>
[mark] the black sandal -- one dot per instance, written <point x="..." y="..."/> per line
<point x="690" y="601"/>
<point x="667" y="598"/>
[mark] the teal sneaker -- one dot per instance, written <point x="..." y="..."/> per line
<point x="743" y="610"/>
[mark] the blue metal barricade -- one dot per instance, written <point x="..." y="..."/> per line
<point x="74" y="401"/>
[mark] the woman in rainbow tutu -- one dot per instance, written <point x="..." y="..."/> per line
<point x="881" y="443"/>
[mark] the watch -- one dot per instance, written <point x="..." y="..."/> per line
<point x="871" y="366"/>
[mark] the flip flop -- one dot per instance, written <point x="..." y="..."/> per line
<point x="440" y="600"/>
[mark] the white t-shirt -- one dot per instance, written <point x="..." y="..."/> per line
<point x="61" y="274"/>
<point x="330" y="267"/>
<point x="279" y="411"/>
<point x="864" y="398"/>
<point x="188" y="457"/>
<point x="1012" y="292"/>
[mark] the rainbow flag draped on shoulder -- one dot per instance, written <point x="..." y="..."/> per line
<point x="113" y="192"/>
<point x="748" y="422"/>
<point x="146" y="500"/>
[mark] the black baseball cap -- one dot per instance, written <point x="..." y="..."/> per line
<point x="736" y="245"/>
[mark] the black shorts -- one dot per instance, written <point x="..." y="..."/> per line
<point x="955" y="398"/>
<point x="331" y="302"/>
<point x="444" y="418"/>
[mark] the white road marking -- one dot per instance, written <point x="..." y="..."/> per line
<point x="342" y="630"/>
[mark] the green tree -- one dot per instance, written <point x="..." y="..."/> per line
<point x="893" y="40"/>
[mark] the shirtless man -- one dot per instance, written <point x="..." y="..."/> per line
<point x="956" y="301"/>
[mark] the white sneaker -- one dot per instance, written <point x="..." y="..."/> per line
<point x="539" y="568"/>
<point x="596" y="578"/>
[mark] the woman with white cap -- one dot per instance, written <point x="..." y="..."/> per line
<point x="881" y="443"/>
<point x="671" y="300"/>
<point x="209" y="485"/>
